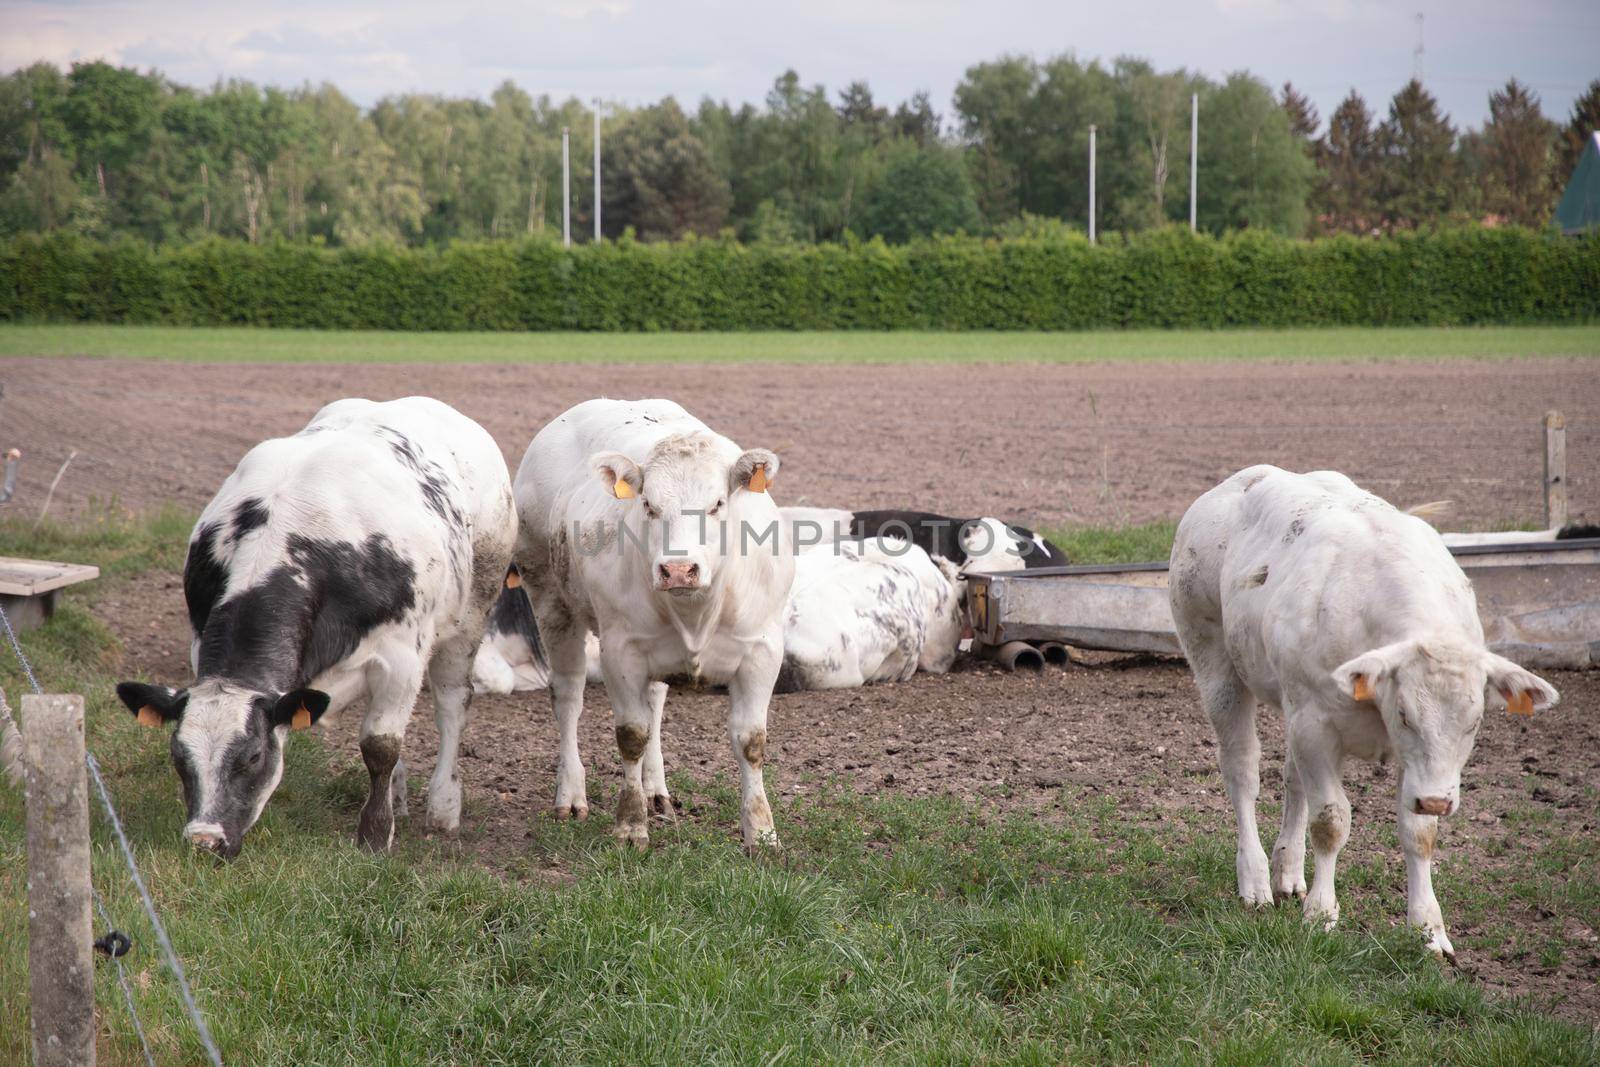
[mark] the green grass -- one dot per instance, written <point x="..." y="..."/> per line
<point x="1145" y="543"/>
<point x="245" y="344"/>
<point x="891" y="928"/>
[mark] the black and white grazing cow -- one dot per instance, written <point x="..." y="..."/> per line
<point x="350" y="560"/>
<point x="870" y="611"/>
<point x="642" y="525"/>
<point x="978" y="545"/>
<point x="1312" y="596"/>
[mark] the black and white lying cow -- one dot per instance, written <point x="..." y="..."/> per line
<point x="978" y="545"/>
<point x="641" y="524"/>
<point x="350" y="560"/>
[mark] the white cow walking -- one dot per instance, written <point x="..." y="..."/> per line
<point x="641" y="524"/>
<point x="1315" y="597"/>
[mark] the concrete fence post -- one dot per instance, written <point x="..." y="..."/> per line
<point x="60" y="937"/>
<point x="1555" y="470"/>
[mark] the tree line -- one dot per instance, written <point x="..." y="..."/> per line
<point x="105" y="151"/>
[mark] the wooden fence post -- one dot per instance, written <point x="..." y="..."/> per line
<point x="60" y="952"/>
<point x="1555" y="470"/>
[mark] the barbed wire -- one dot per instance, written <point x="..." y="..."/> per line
<point x="165" y="942"/>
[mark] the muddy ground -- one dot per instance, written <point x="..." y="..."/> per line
<point x="1053" y="444"/>
<point x="1098" y="444"/>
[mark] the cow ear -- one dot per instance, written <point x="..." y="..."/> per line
<point x="620" y="474"/>
<point x="1360" y="678"/>
<point x="755" y="471"/>
<point x="299" y="709"/>
<point x="1523" y="691"/>
<point x="153" y="705"/>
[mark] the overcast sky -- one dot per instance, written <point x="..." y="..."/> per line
<point x="640" y="50"/>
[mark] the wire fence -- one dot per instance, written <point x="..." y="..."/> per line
<point x="162" y="940"/>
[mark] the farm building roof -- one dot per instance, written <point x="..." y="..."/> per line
<point x="1579" y="210"/>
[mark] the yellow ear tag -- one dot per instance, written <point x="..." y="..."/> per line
<point x="758" y="479"/>
<point x="513" y="579"/>
<point x="1519" y="703"/>
<point x="1361" y="688"/>
<point x="149" y="716"/>
<point x="300" y="719"/>
<point x="622" y="489"/>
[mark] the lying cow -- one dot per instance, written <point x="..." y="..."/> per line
<point x="642" y="525"/>
<point x="349" y="561"/>
<point x="1312" y="596"/>
<point x="872" y="611"/>
<point x="511" y="658"/>
<point x="979" y="545"/>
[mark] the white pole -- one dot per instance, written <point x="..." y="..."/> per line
<point x="1194" y="157"/>
<point x="1091" y="185"/>
<point x="597" y="168"/>
<point x="566" y="186"/>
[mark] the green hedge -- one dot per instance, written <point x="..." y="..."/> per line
<point x="1167" y="278"/>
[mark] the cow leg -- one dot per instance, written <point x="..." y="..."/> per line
<point x="450" y="678"/>
<point x="568" y="673"/>
<point x="1316" y="760"/>
<point x="633" y="709"/>
<point x="1289" y="853"/>
<point x="393" y="692"/>
<point x="398" y="795"/>
<point x="655" y="774"/>
<point x="1232" y="708"/>
<point x="750" y="691"/>
<point x="1417" y="836"/>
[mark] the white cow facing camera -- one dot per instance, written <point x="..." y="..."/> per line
<point x="1314" y="597"/>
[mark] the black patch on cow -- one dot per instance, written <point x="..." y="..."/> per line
<point x="512" y="614"/>
<point x="1050" y="555"/>
<point x="940" y="535"/>
<point x="937" y="535"/>
<point x="204" y="577"/>
<point x="1296" y="528"/>
<point x="1577" y="531"/>
<point x="307" y="613"/>
<point x="1258" y="576"/>
<point x="431" y="479"/>
<point x="251" y="514"/>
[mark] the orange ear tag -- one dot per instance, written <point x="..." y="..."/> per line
<point x="1519" y="703"/>
<point x="1361" y="688"/>
<point x="622" y="490"/>
<point x="300" y="719"/>
<point x="149" y="716"/>
<point x="758" y="479"/>
<point x="513" y="579"/>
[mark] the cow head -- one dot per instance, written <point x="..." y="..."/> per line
<point x="687" y="500"/>
<point x="227" y="747"/>
<point x="1431" y="696"/>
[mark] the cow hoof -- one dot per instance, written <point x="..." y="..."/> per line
<point x="1440" y="946"/>
<point x="762" y="842"/>
<point x="635" y="837"/>
<point x="1280" y="893"/>
<point x="662" y="807"/>
<point x="570" y="811"/>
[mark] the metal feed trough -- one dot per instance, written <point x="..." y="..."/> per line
<point x="1539" y="602"/>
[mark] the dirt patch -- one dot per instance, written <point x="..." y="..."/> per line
<point x="1125" y="728"/>
<point x="1098" y="443"/>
